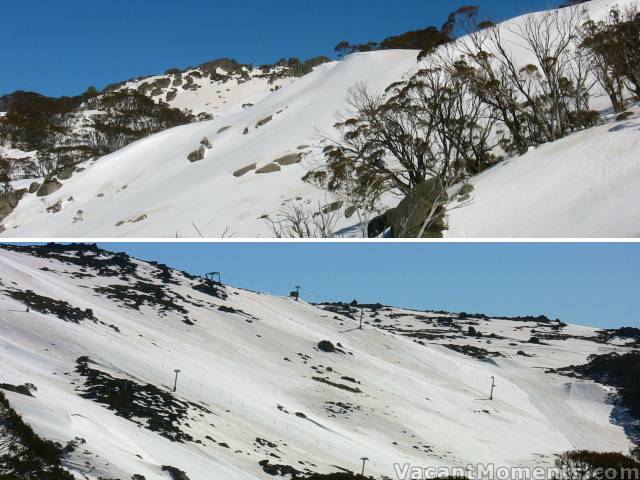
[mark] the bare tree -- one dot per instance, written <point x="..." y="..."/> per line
<point x="531" y="100"/>
<point x="613" y="44"/>
<point x="298" y="221"/>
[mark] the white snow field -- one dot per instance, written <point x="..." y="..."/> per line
<point x="585" y="185"/>
<point x="257" y="387"/>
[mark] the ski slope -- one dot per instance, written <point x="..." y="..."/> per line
<point x="249" y="372"/>
<point x="585" y="185"/>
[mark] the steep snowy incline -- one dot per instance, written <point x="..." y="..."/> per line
<point x="585" y="185"/>
<point x="268" y="379"/>
<point x="152" y="181"/>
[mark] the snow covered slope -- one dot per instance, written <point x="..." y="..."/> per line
<point x="259" y="385"/>
<point x="153" y="181"/>
<point x="585" y="185"/>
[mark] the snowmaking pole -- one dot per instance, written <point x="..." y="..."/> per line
<point x="175" y="382"/>
<point x="493" y="386"/>
<point x="364" y="460"/>
<point x="361" y="315"/>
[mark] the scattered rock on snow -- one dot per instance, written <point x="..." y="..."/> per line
<point x="197" y="155"/>
<point x="48" y="187"/>
<point x="349" y="211"/>
<point x="55" y="208"/>
<point x="269" y="168"/>
<point x="326" y="346"/>
<point x="65" y="174"/>
<point x="243" y="170"/>
<point x="332" y="207"/>
<point x="289" y="159"/>
<point x="264" y="121"/>
<point x="9" y="201"/>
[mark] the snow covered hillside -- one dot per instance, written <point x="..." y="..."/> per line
<point x="228" y="176"/>
<point x="152" y="180"/>
<point x="268" y="385"/>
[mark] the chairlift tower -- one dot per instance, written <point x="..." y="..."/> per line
<point x="296" y="293"/>
<point x="364" y="460"/>
<point x="175" y="382"/>
<point x="211" y="277"/>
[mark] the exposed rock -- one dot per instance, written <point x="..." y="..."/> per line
<point x="197" y="155"/>
<point x="332" y="207"/>
<point x="264" y="121"/>
<point x="65" y="174"/>
<point x="224" y="129"/>
<point x="33" y="188"/>
<point x="9" y="201"/>
<point x="326" y="346"/>
<point x="205" y="143"/>
<point x="465" y="192"/>
<point x="172" y="94"/>
<point x="55" y="208"/>
<point x="245" y="131"/>
<point x="79" y="217"/>
<point x="407" y="219"/>
<point x="289" y="159"/>
<point x="243" y="170"/>
<point x="303" y="147"/>
<point x="140" y="218"/>
<point x="349" y="211"/>
<point x="48" y="187"/>
<point x="269" y="168"/>
<point x="175" y="473"/>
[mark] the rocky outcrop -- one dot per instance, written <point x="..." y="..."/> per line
<point x="197" y="155"/>
<point x="264" y="121"/>
<point x="332" y="207"/>
<point x="244" y="170"/>
<point x="48" y="187"/>
<point x="65" y="174"/>
<point x="9" y="201"/>
<point x="269" y="168"/>
<point x="407" y="219"/>
<point x="290" y="159"/>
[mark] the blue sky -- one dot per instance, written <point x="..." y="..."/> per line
<point x="589" y="284"/>
<point x="62" y="47"/>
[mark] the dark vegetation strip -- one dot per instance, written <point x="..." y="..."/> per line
<point x="29" y="457"/>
